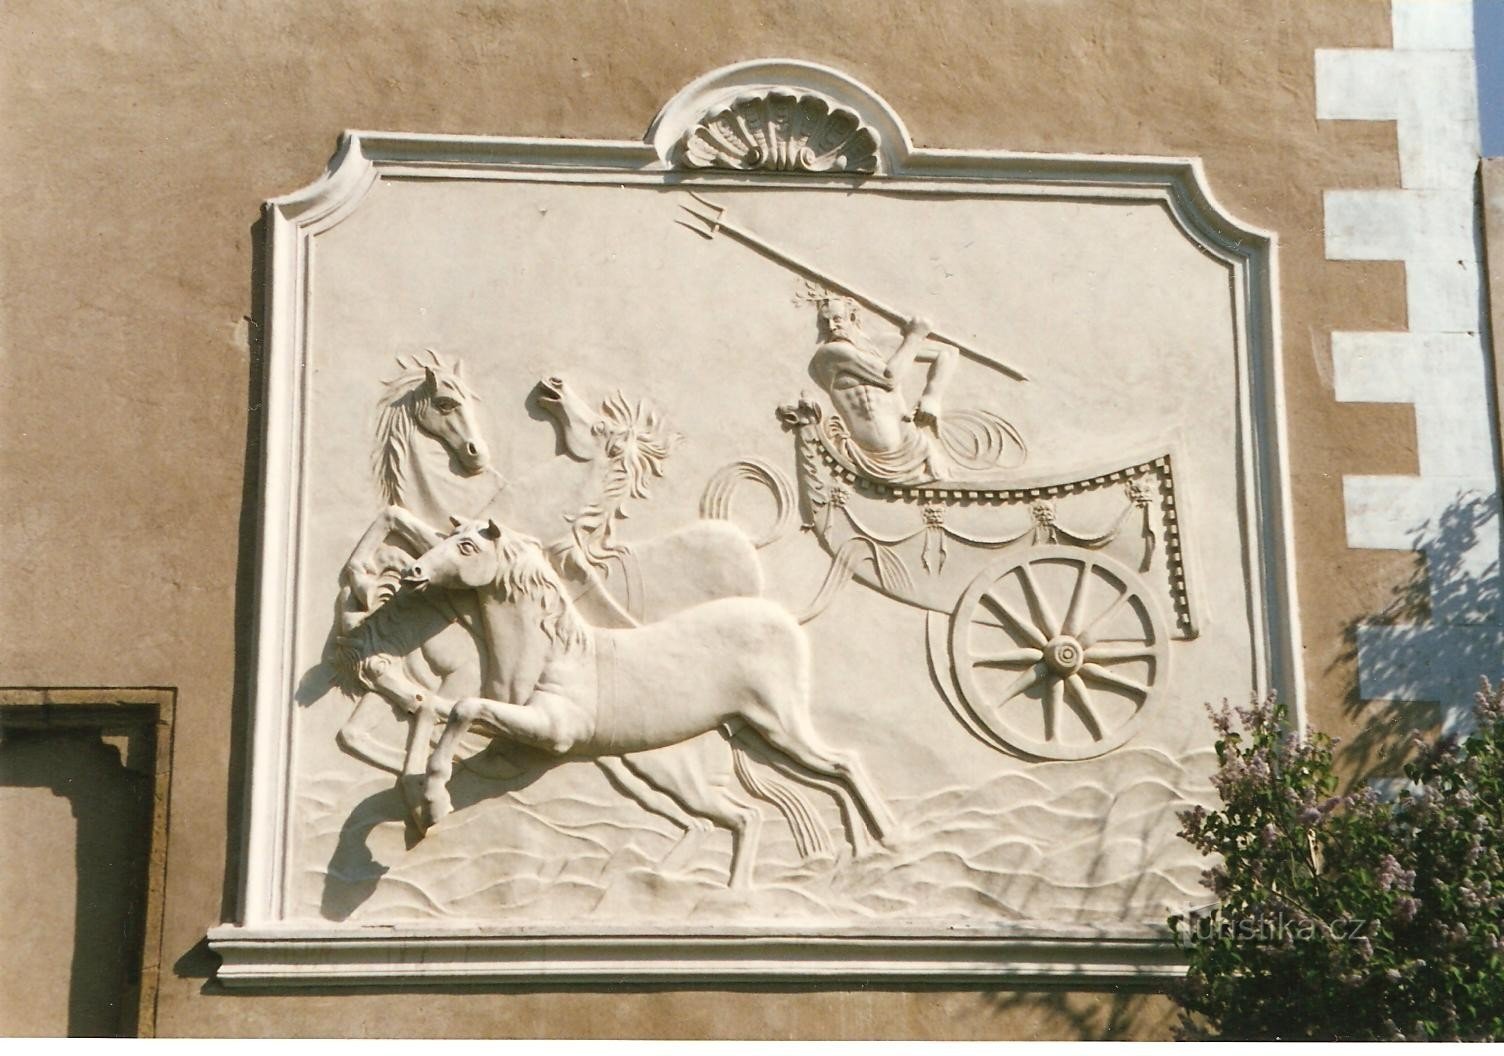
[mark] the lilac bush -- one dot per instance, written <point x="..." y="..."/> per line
<point x="1346" y="916"/>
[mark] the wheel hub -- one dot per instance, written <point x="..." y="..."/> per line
<point x="1064" y="656"/>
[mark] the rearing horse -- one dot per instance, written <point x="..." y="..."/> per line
<point x="578" y="691"/>
<point x="430" y="459"/>
<point x="418" y="653"/>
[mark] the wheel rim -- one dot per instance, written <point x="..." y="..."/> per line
<point x="1059" y="652"/>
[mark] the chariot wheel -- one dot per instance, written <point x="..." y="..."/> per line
<point x="1058" y="652"/>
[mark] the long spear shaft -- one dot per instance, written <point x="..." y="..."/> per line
<point x="716" y="221"/>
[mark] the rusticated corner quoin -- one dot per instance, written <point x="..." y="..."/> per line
<point x="776" y="130"/>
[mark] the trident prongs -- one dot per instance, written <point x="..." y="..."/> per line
<point x="697" y="229"/>
<point x="711" y="219"/>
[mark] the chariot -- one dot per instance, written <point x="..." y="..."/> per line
<point x="1048" y="638"/>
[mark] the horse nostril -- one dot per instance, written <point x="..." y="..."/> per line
<point x="472" y="449"/>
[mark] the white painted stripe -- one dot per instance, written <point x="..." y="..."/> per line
<point x="1422" y="25"/>
<point x="1356" y="85"/>
<point x="1400" y="225"/>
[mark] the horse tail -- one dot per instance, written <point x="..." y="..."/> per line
<point x="842" y="568"/>
<point x="715" y="503"/>
<point x="809" y="834"/>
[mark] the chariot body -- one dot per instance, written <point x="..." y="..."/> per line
<point x="1051" y="600"/>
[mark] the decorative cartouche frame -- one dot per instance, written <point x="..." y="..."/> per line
<point x="782" y="123"/>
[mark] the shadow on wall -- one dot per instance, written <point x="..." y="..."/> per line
<point x="248" y="534"/>
<point x="1420" y="659"/>
<point x="197" y="962"/>
<point x="112" y="812"/>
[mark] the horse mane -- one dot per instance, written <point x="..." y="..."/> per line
<point x="402" y="400"/>
<point x="523" y="573"/>
<point x="636" y="443"/>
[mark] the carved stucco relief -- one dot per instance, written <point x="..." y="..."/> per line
<point x="830" y="572"/>
<point x="781" y="131"/>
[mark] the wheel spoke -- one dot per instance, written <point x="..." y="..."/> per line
<point x="1010" y="658"/>
<point x="1024" y="681"/>
<point x="1080" y="702"/>
<point x="1078" y="600"/>
<point x="1122" y="651"/>
<point x="1001" y="609"/>
<point x="1087" y="637"/>
<point x="1101" y="674"/>
<point x="1041" y="607"/>
<point x="1052" y="701"/>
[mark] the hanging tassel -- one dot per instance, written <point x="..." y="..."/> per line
<point x="1140" y="494"/>
<point x="932" y="557"/>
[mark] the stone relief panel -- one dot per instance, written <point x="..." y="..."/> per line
<point x="728" y="555"/>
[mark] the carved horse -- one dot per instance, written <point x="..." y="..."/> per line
<point x="624" y="447"/>
<point x="430" y="457"/>
<point x="576" y="691"/>
<point x="419" y="653"/>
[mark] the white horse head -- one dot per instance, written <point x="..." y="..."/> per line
<point x="431" y="399"/>
<point x="503" y="565"/>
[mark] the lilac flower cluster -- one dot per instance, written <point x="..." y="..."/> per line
<point x="1425" y="870"/>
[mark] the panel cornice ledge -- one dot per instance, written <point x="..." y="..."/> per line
<point x="1142" y="956"/>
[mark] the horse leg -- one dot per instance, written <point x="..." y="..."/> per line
<point x="441" y="759"/>
<point x="745" y="822"/>
<point x="650" y="798"/>
<point x="853" y="822"/>
<point x="534" y="724"/>
<point x="357" y="735"/>
<point x="807" y="830"/>
<point x="680" y="771"/>
<point x="791" y="733"/>
<point x="388" y="681"/>
<point x="419" y="734"/>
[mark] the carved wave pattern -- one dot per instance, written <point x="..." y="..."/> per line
<point x="1055" y="843"/>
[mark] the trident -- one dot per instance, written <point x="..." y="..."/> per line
<point x="713" y="221"/>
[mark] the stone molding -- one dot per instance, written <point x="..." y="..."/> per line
<point x="265" y="948"/>
<point x="312" y="956"/>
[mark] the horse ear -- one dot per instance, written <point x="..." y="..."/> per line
<point x="492" y="530"/>
<point x="430" y="378"/>
<point x="456" y="521"/>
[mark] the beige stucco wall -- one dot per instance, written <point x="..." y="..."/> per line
<point x="139" y="140"/>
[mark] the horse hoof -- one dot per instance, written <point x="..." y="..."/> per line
<point x="439" y="807"/>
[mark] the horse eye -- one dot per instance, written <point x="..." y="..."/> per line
<point x="445" y="405"/>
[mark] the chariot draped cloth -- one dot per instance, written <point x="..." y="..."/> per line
<point x="963" y="445"/>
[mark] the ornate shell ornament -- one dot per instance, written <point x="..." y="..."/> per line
<point x="781" y="131"/>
